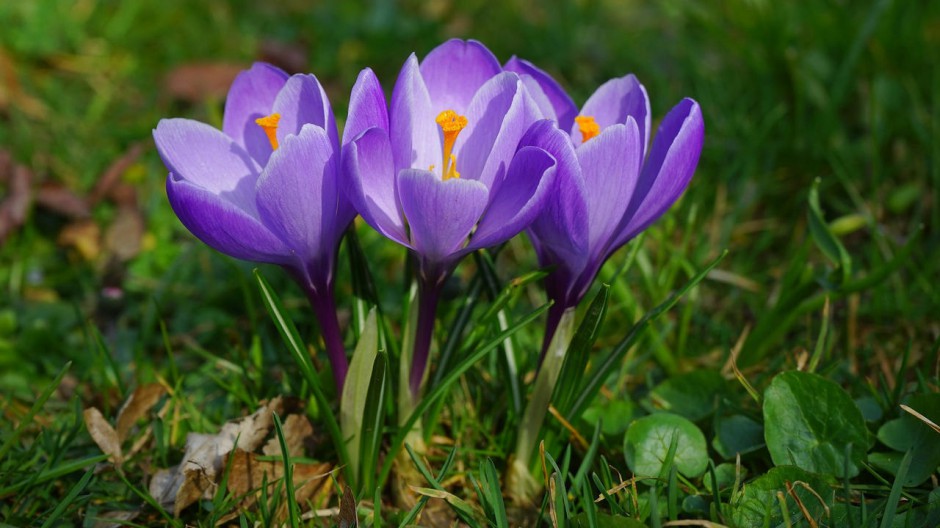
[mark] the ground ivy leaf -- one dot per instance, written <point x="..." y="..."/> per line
<point x="907" y="432"/>
<point x="693" y="395"/>
<point x="737" y="434"/>
<point x="810" y="422"/>
<point x="648" y="441"/>
<point x="758" y="504"/>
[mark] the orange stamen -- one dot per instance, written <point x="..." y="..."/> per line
<point x="451" y="124"/>
<point x="588" y="127"/>
<point x="269" y="125"/>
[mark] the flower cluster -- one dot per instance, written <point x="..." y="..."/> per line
<point x="466" y="154"/>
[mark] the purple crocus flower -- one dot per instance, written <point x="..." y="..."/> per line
<point x="608" y="189"/>
<point x="439" y="172"/>
<point x="265" y="188"/>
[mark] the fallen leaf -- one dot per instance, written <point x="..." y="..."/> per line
<point x="114" y="519"/>
<point x="84" y="236"/>
<point x="103" y="434"/>
<point x="112" y="175"/>
<point x="137" y="405"/>
<point x="297" y="431"/>
<point x="197" y="474"/>
<point x="14" y="207"/>
<point x="247" y="474"/>
<point x="196" y="82"/>
<point x="11" y="92"/>
<point x="347" y="510"/>
<point x="124" y="235"/>
<point x="60" y="199"/>
<point x="289" y="56"/>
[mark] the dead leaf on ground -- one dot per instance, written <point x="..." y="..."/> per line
<point x="297" y="430"/>
<point x="124" y="235"/>
<point x="84" y="236"/>
<point x="196" y="82"/>
<point x="15" y="205"/>
<point x="289" y="56"/>
<point x="58" y="198"/>
<point x="248" y="474"/>
<point x="115" y="519"/>
<point x="111" y="177"/>
<point x="202" y="464"/>
<point x="104" y="435"/>
<point x="136" y="407"/>
<point x="348" y="518"/>
<point x="12" y="93"/>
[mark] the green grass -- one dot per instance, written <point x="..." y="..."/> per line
<point x="792" y="92"/>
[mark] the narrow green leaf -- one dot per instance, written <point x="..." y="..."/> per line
<point x="299" y="352"/>
<point x="443" y="388"/>
<point x="372" y="417"/>
<point x="606" y="365"/>
<point x="66" y="501"/>
<point x="293" y="509"/>
<point x="27" y="420"/>
<point x="579" y="351"/>
<point x="825" y="240"/>
<point x="356" y="390"/>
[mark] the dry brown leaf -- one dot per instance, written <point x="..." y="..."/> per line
<point x="136" y="406"/>
<point x="112" y="175"/>
<point x="16" y="204"/>
<point x="347" y="510"/>
<point x="202" y="464"/>
<point x="297" y="431"/>
<point x="290" y="56"/>
<point x="196" y="82"/>
<point x="84" y="236"/>
<point x="115" y="519"/>
<point x="124" y="235"/>
<point x="12" y="93"/>
<point x="247" y="474"/>
<point x="103" y="434"/>
<point x="60" y="199"/>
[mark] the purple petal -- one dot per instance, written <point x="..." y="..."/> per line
<point x="613" y="102"/>
<point x="610" y="164"/>
<point x="298" y="195"/>
<point x="414" y="134"/>
<point x="207" y="158"/>
<point x="455" y="70"/>
<point x="519" y="199"/>
<point x="563" y="109"/>
<point x="252" y="96"/>
<point x="367" y="106"/>
<point x="563" y="223"/>
<point x="440" y="213"/>
<point x="668" y="170"/>
<point x="498" y="117"/>
<point x="370" y="183"/>
<point x="222" y="224"/>
<point x="303" y="101"/>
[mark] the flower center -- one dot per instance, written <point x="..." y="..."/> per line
<point x="269" y="125"/>
<point x="588" y="127"/>
<point x="451" y="124"/>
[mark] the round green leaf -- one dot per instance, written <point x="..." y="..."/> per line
<point x="908" y="432"/>
<point x="811" y="423"/>
<point x="650" y="438"/>
<point x="758" y="504"/>
<point x="693" y="395"/>
<point x="737" y="434"/>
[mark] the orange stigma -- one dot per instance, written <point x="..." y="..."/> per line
<point x="269" y="125"/>
<point x="588" y="127"/>
<point x="451" y="124"/>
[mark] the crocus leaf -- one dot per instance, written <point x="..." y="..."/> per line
<point x="298" y="351"/>
<point x="356" y="389"/>
<point x="372" y="416"/>
<point x="810" y="422"/>
<point x="825" y="239"/>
